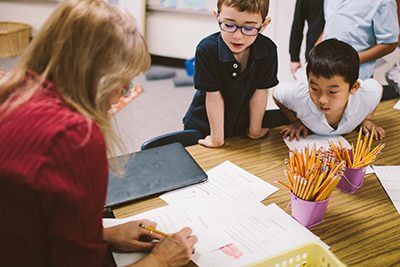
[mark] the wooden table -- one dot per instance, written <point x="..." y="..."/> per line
<point x="362" y="229"/>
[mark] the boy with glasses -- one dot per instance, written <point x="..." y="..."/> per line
<point x="233" y="69"/>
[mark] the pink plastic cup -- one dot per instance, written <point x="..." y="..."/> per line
<point x="352" y="180"/>
<point x="308" y="213"/>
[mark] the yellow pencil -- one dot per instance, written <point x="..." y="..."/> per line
<point x="283" y="184"/>
<point x="154" y="230"/>
<point x="309" y="186"/>
<point x="357" y="146"/>
<point x="310" y="193"/>
<point x="370" y="141"/>
<point x="364" y="147"/>
<point x="328" y="190"/>
<point x="319" y="181"/>
<point x="302" y="187"/>
<point x="296" y="184"/>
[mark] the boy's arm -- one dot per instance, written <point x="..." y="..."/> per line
<point x="296" y="128"/>
<point x="296" y="36"/>
<point x="215" y="113"/>
<point x="369" y="126"/>
<point x="375" y="52"/>
<point x="288" y="113"/>
<point x="320" y="38"/>
<point x="257" y="105"/>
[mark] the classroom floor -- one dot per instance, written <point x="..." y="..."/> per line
<point x="161" y="107"/>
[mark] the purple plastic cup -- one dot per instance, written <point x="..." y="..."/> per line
<point x="352" y="180"/>
<point x="308" y="213"/>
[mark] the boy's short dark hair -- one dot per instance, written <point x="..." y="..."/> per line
<point x="333" y="57"/>
<point x="252" y="6"/>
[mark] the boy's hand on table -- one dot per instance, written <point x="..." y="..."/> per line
<point x="295" y="130"/>
<point x="370" y="127"/>
<point x="257" y="135"/>
<point x="211" y="142"/>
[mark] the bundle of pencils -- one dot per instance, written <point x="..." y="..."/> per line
<point x="362" y="155"/>
<point x="312" y="174"/>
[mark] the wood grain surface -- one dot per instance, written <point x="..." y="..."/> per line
<point x="362" y="229"/>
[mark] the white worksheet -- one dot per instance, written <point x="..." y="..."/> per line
<point x="261" y="233"/>
<point x="227" y="183"/>
<point x="205" y="222"/>
<point x="390" y="180"/>
<point x="171" y="219"/>
<point x="318" y="140"/>
<point x="397" y="105"/>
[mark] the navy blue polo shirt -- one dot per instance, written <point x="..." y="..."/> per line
<point x="216" y="69"/>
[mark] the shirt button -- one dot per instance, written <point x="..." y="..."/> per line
<point x="235" y="66"/>
<point x="234" y="74"/>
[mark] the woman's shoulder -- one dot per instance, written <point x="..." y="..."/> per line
<point x="46" y="118"/>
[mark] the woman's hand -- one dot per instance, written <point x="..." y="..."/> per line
<point x="131" y="237"/>
<point x="176" y="250"/>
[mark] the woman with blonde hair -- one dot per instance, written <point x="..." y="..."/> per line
<point x="54" y="131"/>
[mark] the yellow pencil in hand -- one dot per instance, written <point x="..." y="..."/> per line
<point x="154" y="230"/>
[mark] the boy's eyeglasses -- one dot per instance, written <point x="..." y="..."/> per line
<point x="232" y="27"/>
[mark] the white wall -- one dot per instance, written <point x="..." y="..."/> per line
<point x="176" y="34"/>
<point x="171" y="34"/>
<point x="32" y="13"/>
<point x="282" y="15"/>
<point x="35" y="13"/>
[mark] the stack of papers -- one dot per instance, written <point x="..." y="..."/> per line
<point x="226" y="183"/>
<point x="232" y="226"/>
<point x="390" y="180"/>
<point x="318" y="140"/>
<point x="259" y="233"/>
<point x="397" y="105"/>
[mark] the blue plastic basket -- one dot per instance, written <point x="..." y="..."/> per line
<point x="189" y="66"/>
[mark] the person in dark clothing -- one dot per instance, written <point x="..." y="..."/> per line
<point x="233" y="70"/>
<point x="312" y="12"/>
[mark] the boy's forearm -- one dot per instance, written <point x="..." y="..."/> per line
<point x="257" y="106"/>
<point x="215" y="113"/>
<point x="370" y="116"/>
<point x="291" y="115"/>
<point x="376" y="52"/>
<point x="320" y="38"/>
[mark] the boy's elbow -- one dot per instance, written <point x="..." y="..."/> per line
<point x="388" y="48"/>
<point x="392" y="47"/>
<point x="278" y="103"/>
<point x="214" y="96"/>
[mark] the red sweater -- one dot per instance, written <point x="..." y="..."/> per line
<point x="53" y="181"/>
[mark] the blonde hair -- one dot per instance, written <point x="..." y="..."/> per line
<point x="252" y="6"/>
<point x="89" y="49"/>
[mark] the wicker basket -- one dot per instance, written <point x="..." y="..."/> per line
<point x="14" y="37"/>
<point x="309" y="255"/>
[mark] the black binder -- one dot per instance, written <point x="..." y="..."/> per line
<point x="153" y="171"/>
